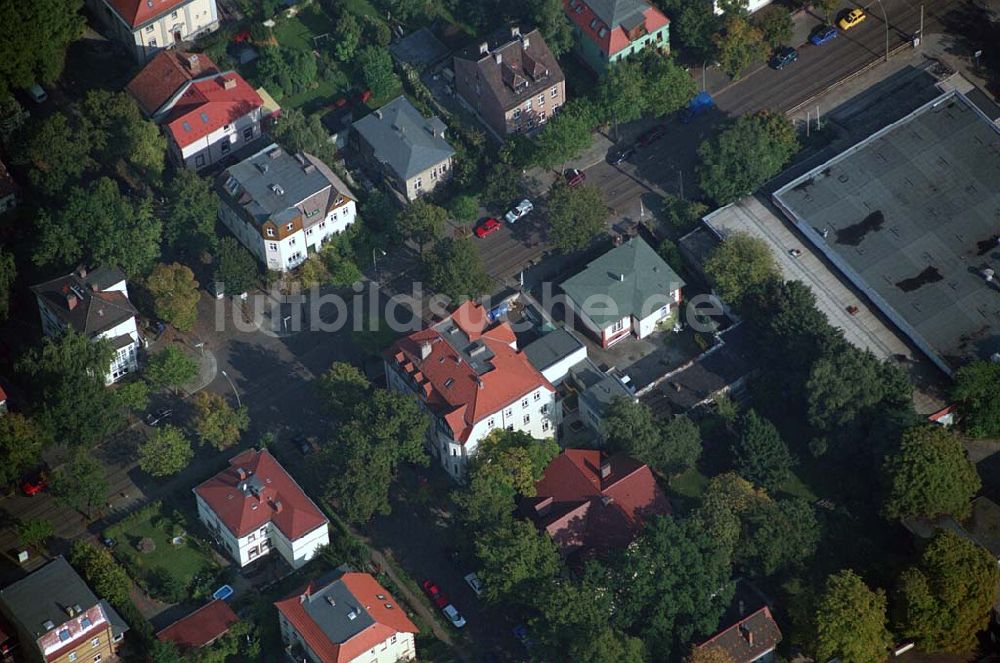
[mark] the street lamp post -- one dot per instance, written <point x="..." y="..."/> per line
<point x="885" y="20"/>
<point x="239" y="403"/>
<point x="375" y="260"/>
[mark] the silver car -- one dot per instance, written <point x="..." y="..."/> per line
<point x="457" y="620"/>
<point x="521" y="210"/>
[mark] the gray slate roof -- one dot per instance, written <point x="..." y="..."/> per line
<point x="627" y="13"/>
<point x="403" y="139"/>
<point x="334" y="619"/>
<point x="552" y="348"/>
<point x="599" y="389"/>
<point x="631" y="275"/>
<point x="44" y="595"/>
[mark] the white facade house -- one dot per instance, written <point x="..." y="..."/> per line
<point x="282" y="206"/>
<point x="145" y="27"/>
<point x="345" y="617"/>
<point x="95" y="304"/>
<point x="255" y="508"/>
<point x="470" y="376"/>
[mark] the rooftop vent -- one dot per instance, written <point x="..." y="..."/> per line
<point x="525" y="43"/>
<point x="192" y="62"/>
<point x="425" y="350"/>
<point x="229" y="83"/>
<point x="498" y="57"/>
<point x="388" y="606"/>
<point x="605" y="469"/>
<point x="332" y="601"/>
<point x="277" y="190"/>
<point x="275" y="153"/>
<point x="353" y="614"/>
<point x="278" y="506"/>
<point x="241" y="473"/>
<point x="515" y="31"/>
<point x="48" y="625"/>
<point x="484" y="48"/>
<point x="262" y="167"/>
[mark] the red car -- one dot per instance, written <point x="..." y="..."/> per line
<point x="35" y="485"/>
<point x="488" y="227"/>
<point x="650" y="136"/>
<point x="439" y="599"/>
<point x="575" y="177"/>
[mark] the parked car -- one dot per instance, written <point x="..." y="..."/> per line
<point x="851" y="19"/>
<point x="154" y="418"/>
<point x="823" y="34"/>
<point x="575" y="177"/>
<point x="521" y="210"/>
<point x="475" y="583"/>
<point x="621" y="154"/>
<point x="457" y="620"/>
<point x="35" y="485"/>
<point x="434" y="593"/>
<point x="784" y="56"/>
<point x="37" y="94"/>
<point x="487" y="227"/>
<point x="304" y="445"/>
<point x="650" y="136"/>
<point x="108" y="541"/>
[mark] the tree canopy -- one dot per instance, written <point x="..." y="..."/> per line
<point x="576" y="216"/>
<point x="343" y="387"/>
<point x="8" y="272"/>
<point x="977" y="393"/>
<point x="34" y="37"/>
<point x="81" y="483"/>
<point x="236" y="268"/>
<point x="375" y="65"/>
<point x="170" y="367"/>
<point x="456" y="269"/>
<point x="216" y="422"/>
<point x="514" y="558"/>
<point x="739" y="45"/>
<point x="759" y="453"/>
<point x="851" y="621"/>
<point x="175" y="294"/>
<point x="191" y="212"/>
<point x="301" y="133"/>
<point x="777" y="536"/>
<point x="21" y="444"/>
<point x="422" y="222"/>
<point x="930" y="475"/>
<point x="566" y="135"/>
<point x="166" y="452"/>
<point x="740" y="264"/>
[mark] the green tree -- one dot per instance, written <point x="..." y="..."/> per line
<point x="629" y="426"/>
<point x="668" y="86"/>
<point x="175" y="294"/>
<point x="101" y="226"/>
<point x="977" y="393"/>
<point x="514" y="558"/>
<point x="726" y="501"/>
<point x="343" y="388"/>
<point x="191" y="210"/>
<point x="216" y="422"/>
<point x="675" y="582"/>
<point x="81" y="483"/>
<point x="236" y="269"/>
<point x="621" y="96"/>
<point x="566" y="135"/>
<point x="850" y="621"/>
<point x="376" y="31"/>
<point x="13" y="117"/>
<point x="696" y="27"/>
<point x="118" y="130"/>
<point x="35" y="36"/>
<point x="775" y="25"/>
<point x="387" y="429"/>
<point x="549" y="16"/>
<point x="680" y="447"/>
<point x="375" y="65"/>
<point x="929" y="475"/>
<point x="164" y="651"/>
<point x="170" y="368"/>
<point x="422" y="222"/>
<point x="739" y="264"/>
<point x="456" y="270"/>
<point x="744" y="156"/>
<point x="299" y="132"/>
<point x="680" y="216"/>
<point x="503" y="184"/>
<point x="944" y="601"/>
<point x="759" y="453"/>
<point x="464" y="208"/>
<point x="104" y="575"/>
<point x="338" y="261"/>
<point x="57" y="151"/>
<point x="73" y="404"/>
<point x="576" y="215"/>
<point x="379" y="212"/>
<point x="739" y="45"/>
<point x="165" y="453"/>
<point x="347" y="37"/>
<point x="777" y="535"/>
<point x="826" y="7"/>
<point x="8" y="273"/>
<point x="34" y="532"/>
<point x="21" y="444"/>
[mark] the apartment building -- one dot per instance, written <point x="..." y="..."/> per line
<point x="146" y="27"/>
<point x="605" y="31"/>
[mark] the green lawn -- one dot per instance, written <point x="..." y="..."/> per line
<point x="362" y="8"/>
<point x="298" y="31"/>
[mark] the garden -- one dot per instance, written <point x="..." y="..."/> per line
<point x="157" y="548"/>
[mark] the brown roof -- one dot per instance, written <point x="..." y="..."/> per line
<point x="165" y="75"/>
<point x="82" y="303"/>
<point x="581" y="509"/>
<point x="526" y="68"/>
<point x="748" y="639"/>
<point x="202" y="627"/>
<point x="255" y="490"/>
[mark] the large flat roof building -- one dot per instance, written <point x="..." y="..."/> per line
<point x="911" y="216"/>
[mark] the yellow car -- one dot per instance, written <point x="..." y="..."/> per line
<point x="852" y="18"/>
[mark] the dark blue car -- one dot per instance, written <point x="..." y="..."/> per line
<point x="823" y="34"/>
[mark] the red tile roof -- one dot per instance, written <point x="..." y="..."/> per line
<point x="208" y="105"/>
<point x="3" y="394"/>
<point x="202" y="627"/>
<point x="370" y="596"/>
<point x="748" y="639"/>
<point x="263" y="492"/>
<point x="580" y="509"/>
<point x="615" y="38"/>
<point x="450" y="384"/>
<point x="165" y="75"/>
<point x="137" y="12"/>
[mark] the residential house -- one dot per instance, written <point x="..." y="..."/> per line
<point x="470" y="376"/>
<point x="345" y="617"/>
<point x="628" y="290"/>
<point x="605" y="31"/>
<point x="145" y="27"/>
<point x="750" y="633"/>
<point x="512" y="81"/>
<point x="408" y="151"/>
<point x="254" y="507"/>
<point x="204" y="113"/>
<point x="58" y="619"/>
<point x="281" y="205"/>
<point x="95" y="304"/>
<point x="8" y="190"/>
<point x="588" y="501"/>
<point x="201" y="628"/>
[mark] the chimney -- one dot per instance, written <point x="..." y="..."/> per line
<point x="241" y="473"/>
<point x="229" y="83"/>
<point x="498" y="57"/>
<point x="515" y="31"/>
<point x="71" y="611"/>
<point x="747" y="633"/>
<point x="71" y="301"/>
<point x="81" y="271"/>
<point x="484" y="48"/>
<point x="193" y="64"/>
<point x="525" y="43"/>
<point x="278" y="506"/>
<point x="621" y="277"/>
<point x="378" y="113"/>
<point x="425" y="350"/>
<point x="543" y="507"/>
<point x="605" y="468"/>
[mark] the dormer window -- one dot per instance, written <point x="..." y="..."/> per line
<point x="270" y="232"/>
<point x="593" y="24"/>
<point x="289" y="227"/>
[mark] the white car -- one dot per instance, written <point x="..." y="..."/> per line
<point x="37" y="93"/>
<point x="520" y="211"/>
<point x="475" y="583"/>
<point x="457" y="620"/>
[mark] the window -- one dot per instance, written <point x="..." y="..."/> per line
<point x="538" y="395"/>
<point x="270" y="232"/>
<point x="97" y="658"/>
<point x="225" y="146"/>
<point x="152" y="43"/>
<point x="226" y="127"/>
<point x="248" y="134"/>
<point x="527" y="419"/>
<point x="252" y="537"/>
<point x="173" y="15"/>
<point x="95" y="643"/>
<point x="309" y="232"/>
<point x="310" y="214"/>
<point x="554" y="92"/>
<point x="527" y="105"/>
<point x="289" y="227"/>
<point x="593" y="23"/>
<point x="291" y="242"/>
<point x="253" y="552"/>
<point x="491" y="423"/>
<point x="545" y="425"/>
<point x="545" y="409"/>
<point x="199" y="160"/>
<point x="541" y="100"/>
<point x="274" y="246"/>
<point x="454" y="453"/>
<point x="417" y="183"/>
<point x="524" y="403"/>
<point x="150" y="28"/>
<point x="517" y="113"/>
<point x="618" y="326"/>
<point x="509" y="412"/>
<point x="392" y="640"/>
<point x="72" y="656"/>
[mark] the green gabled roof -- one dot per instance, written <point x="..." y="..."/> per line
<point x="629" y="275"/>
